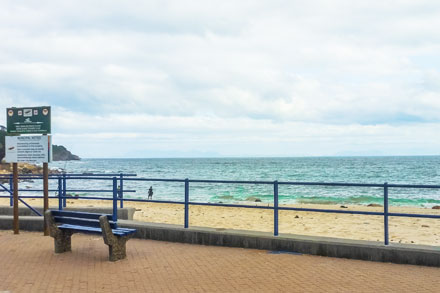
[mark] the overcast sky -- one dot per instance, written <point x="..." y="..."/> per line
<point x="227" y="78"/>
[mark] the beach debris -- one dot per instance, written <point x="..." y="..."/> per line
<point x="253" y="198"/>
<point x="343" y="207"/>
<point x="138" y="210"/>
<point x="425" y="226"/>
<point x="375" y="205"/>
<point x="296" y="217"/>
<point x="436" y="207"/>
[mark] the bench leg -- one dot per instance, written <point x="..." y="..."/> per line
<point x="117" y="249"/>
<point x="63" y="242"/>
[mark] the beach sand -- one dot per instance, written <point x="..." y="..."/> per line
<point x="359" y="227"/>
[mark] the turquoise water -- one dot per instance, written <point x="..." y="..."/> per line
<point x="405" y="170"/>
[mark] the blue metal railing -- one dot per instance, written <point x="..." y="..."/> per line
<point x="117" y="195"/>
<point x="61" y="192"/>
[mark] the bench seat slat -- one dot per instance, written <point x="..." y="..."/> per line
<point x="81" y="222"/>
<point x="72" y="214"/>
<point x="96" y="230"/>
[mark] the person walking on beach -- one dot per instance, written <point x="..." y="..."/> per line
<point x="150" y="193"/>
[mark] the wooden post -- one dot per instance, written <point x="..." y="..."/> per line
<point x="15" y="183"/>
<point x="46" y="194"/>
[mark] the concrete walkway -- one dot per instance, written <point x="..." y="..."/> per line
<point x="28" y="264"/>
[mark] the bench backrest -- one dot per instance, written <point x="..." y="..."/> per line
<point x="80" y="218"/>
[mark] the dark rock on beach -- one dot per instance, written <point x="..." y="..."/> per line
<point x="253" y="198"/>
<point x="226" y="197"/>
<point x="374" y="205"/>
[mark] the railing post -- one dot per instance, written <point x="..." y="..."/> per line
<point x="186" y="203"/>
<point x="11" y="188"/>
<point x="115" y="200"/>
<point x="385" y="212"/>
<point x="121" y="189"/>
<point x="60" y="193"/>
<point x="275" y="208"/>
<point x="64" y="189"/>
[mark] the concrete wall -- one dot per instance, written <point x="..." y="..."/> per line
<point x="123" y="214"/>
<point x="324" y="246"/>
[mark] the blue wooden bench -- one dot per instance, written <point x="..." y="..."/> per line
<point x="62" y="224"/>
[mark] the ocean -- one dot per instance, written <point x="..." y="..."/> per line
<point x="399" y="169"/>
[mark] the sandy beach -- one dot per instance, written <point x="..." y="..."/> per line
<point x="360" y="227"/>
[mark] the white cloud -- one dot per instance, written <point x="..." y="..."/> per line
<point x="218" y="70"/>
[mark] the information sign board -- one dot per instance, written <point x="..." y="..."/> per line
<point x="29" y="120"/>
<point x="28" y="149"/>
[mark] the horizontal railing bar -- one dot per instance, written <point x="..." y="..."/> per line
<point x="96" y="190"/>
<point x="73" y="174"/>
<point x="103" y="177"/>
<point x="230" y="205"/>
<point x="229" y="181"/>
<point x="331" y="184"/>
<point x="68" y="190"/>
<point x="29" y="196"/>
<point x="153" y="201"/>
<point x="330" y="211"/>
<point x="413" y="186"/>
<point x="154" y="179"/>
<point x="414" y="215"/>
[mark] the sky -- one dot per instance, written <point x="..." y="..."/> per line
<point x="227" y="78"/>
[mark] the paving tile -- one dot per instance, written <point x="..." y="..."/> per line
<point x="28" y="264"/>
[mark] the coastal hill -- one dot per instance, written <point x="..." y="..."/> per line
<point x="60" y="153"/>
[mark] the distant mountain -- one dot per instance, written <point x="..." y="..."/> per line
<point x="60" y="153"/>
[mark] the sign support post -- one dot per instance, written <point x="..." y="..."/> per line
<point x="30" y="149"/>
<point x="15" y="183"/>
<point x="46" y="195"/>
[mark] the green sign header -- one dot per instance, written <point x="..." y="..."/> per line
<point x="29" y="120"/>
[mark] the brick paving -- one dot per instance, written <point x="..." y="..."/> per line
<point x="28" y="264"/>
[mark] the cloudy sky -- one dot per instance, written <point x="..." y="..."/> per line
<point x="227" y="78"/>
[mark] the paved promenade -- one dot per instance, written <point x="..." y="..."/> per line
<point x="28" y="264"/>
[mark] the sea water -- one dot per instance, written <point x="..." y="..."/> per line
<point x="398" y="170"/>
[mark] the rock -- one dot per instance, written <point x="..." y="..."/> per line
<point x="375" y="205"/>
<point x="60" y="153"/>
<point x="296" y="217"/>
<point x="425" y="226"/>
<point x="226" y="197"/>
<point x="253" y="198"/>
<point x="25" y="170"/>
<point x="343" y="207"/>
<point x="436" y="207"/>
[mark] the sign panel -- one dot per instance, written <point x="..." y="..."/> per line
<point x="30" y="120"/>
<point x="28" y="149"/>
